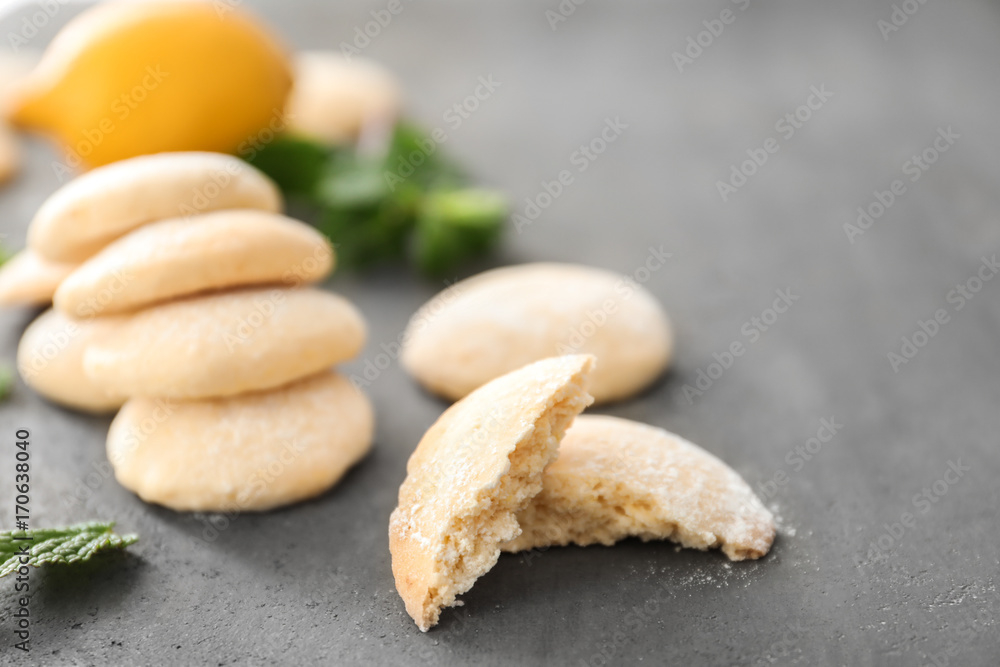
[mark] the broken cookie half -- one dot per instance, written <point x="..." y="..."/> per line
<point x="616" y="478"/>
<point x="473" y="471"/>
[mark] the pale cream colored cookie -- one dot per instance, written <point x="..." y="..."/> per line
<point x="29" y="279"/>
<point x="492" y="323"/>
<point x="183" y="256"/>
<point x="14" y="66"/>
<point x="616" y="478"/>
<point x="99" y="206"/>
<point x="227" y="343"/>
<point x="50" y="361"/>
<point x="334" y="98"/>
<point x="10" y="153"/>
<point x="245" y="453"/>
<point x="477" y="466"/>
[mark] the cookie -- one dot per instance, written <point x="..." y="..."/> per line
<point x="616" y="478"/>
<point x="492" y="323"/>
<point x="226" y="343"/>
<point x="474" y="469"/>
<point x="50" y="361"/>
<point x="334" y="98"/>
<point x="178" y="257"/>
<point x="29" y="279"/>
<point x="245" y="453"/>
<point x="14" y="68"/>
<point x="99" y="206"/>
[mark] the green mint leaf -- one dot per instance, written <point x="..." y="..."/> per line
<point x="296" y="165"/>
<point x="456" y="224"/>
<point x="352" y="182"/>
<point x="416" y="158"/>
<point x="71" y="544"/>
<point x="365" y="236"/>
<point x="406" y="201"/>
<point x="6" y="381"/>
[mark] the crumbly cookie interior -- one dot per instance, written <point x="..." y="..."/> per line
<point x="471" y="546"/>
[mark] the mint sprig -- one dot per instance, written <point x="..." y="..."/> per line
<point x="6" y="381"/>
<point x="406" y="202"/>
<point x="70" y="544"/>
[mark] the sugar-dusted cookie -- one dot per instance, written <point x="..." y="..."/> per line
<point x="50" y="361"/>
<point x="99" y="206"/>
<point x="29" y="279"/>
<point x="183" y="256"/>
<point x="226" y="343"/>
<point x="492" y="323"/>
<point x="474" y="469"/>
<point x="333" y="98"/>
<point x="616" y="478"/>
<point x="244" y="453"/>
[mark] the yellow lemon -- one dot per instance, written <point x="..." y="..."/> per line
<point x="128" y="78"/>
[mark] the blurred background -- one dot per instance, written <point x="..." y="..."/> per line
<point x="830" y="104"/>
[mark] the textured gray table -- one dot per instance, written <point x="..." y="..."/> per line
<point x="844" y="583"/>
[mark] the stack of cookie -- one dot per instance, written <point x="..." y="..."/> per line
<point x="185" y="300"/>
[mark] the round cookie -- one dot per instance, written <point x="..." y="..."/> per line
<point x="616" y="478"/>
<point x="29" y="279"/>
<point x="99" y="206"/>
<point x="226" y="343"/>
<point x="14" y="68"/>
<point x="494" y="322"/>
<point x="50" y="361"/>
<point x="479" y="464"/>
<point x="183" y="256"/>
<point x="333" y="98"/>
<point x="244" y="453"/>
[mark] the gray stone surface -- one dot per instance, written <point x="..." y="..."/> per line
<point x="312" y="583"/>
